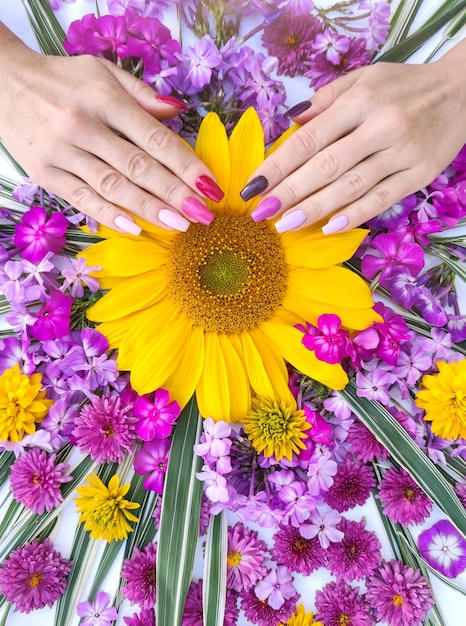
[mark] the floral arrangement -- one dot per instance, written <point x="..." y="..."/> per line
<point x="269" y="408"/>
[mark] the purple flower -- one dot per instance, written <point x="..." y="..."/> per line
<point x="322" y="523"/>
<point x="35" y="480"/>
<point x="193" y="614"/>
<point x="53" y="318"/>
<point x="153" y="459"/>
<point x="296" y="552"/>
<point x="356" y="555"/>
<point x="444" y="548"/>
<point x="34" y="576"/>
<point x="37" y="235"/>
<point x="202" y="58"/>
<point x="145" y="618"/>
<point x="331" y="343"/>
<point x="151" y="41"/>
<point x="78" y="276"/>
<point x="399" y="595"/>
<point x="97" y="613"/>
<point x="402" y="499"/>
<point x="245" y="557"/>
<point x="332" y="45"/>
<point x="363" y="445"/>
<point x="156" y="417"/>
<point x="338" y="603"/>
<point x="139" y="572"/>
<point x="261" y="613"/>
<point x="215" y="445"/>
<point x="276" y="587"/>
<point x="322" y="469"/>
<point x="375" y="385"/>
<point x="393" y="255"/>
<point x="215" y="485"/>
<point x="321" y="71"/>
<point x="352" y="485"/>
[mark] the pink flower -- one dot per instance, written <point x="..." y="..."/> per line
<point x="157" y="416"/>
<point x="329" y="341"/>
<point x="322" y="524"/>
<point x="97" y="613"/>
<point x="276" y="587"/>
<point x="153" y="459"/>
<point x="53" y="318"/>
<point x="37" y="235"/>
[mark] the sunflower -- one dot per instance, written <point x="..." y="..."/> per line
<point x="213" y="310"/>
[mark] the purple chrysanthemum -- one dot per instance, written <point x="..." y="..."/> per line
<point x="444" y="548"/>
<point x="296" y="552"/>
<point x="364" y="445"/>
<point x="35" y="480"/>
<point x="460" y="489"/>
<point x="34" y="576"/>
<point x="105" y="429"/>
<point x="193" y="614"/>
<point x="245" y="558"/>
<point x="139" y="571"/>
<point x="145" y="618"/>
<point x="352" y="485"/>
<point x="262" y="614"/>
<point x="289" y="38"/>
<point x="356" y="555"/>
<point x="338" y="603"/>
<point x="322" y="71"/>
<point x="399" y="595"/>
<point x="402" y="499"/>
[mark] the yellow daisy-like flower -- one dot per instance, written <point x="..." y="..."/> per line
<point x="444" y="400"/>
<point x="103" y="509"/>
<point x="213" y="310"/>
<point x="276" y="428"/>
<point x="22" y="404"/>
<point x="301" y="618"/>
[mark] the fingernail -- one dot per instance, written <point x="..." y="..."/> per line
<point x="127" y="225"/>
<point x="173" y="101"/>
<point x="290" y="221"/>
<point x="335" y="224"/>
<point x="266" y="208"/>
<point x="197" y="210"/>
<point x="209" y="188"/>
<point x="298" y="108"/>
<point x="254" y="188"/>
<point x="173" y="220"/>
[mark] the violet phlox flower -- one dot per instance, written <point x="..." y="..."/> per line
<point x="352" y="485"/>
<point x="338" y="603"/>
<point x="388" y="254"/>
<point x="321" y="71"/>
<point x="375" y="385"/>
<point x="331" y="44"/>
<point x="201" y="58"/>
<point x="34" y="576"/>
<point x="156" y="415"/>
<point x="215" y="445"/>
<point x="78" y="276"/>
<point x="59" y="421"/>
<point x="261" y="613"/>
<point x="215" y="485"/>
<point x="139" y="574"/>
<point x="53" y="318"/>
<point x="412" y="360"/>
<point x="38" y="234"/>
<point x="98" y="612"/>
<point x="36" y="479"/>
<point x="151" y="41"/>
<point x="399" y="595"/>
<point x="322" y="523"/>
<point x="403" y="501"/>
<point x="328" y="340"/>
<point x="245" y="558"/>
<point x="444" y="548"/>
<point x="276" y="587"/>
<point x="152" y="459"/>
<point x="357" y="554"/>
<point x="296" y="552"/>
<point x="322" y="468"/>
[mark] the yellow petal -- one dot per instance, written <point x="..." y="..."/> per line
<point x="212" y="148"/>
<point x="315" y="250"/>
<point x="128" y="258"/>
<point x="260" y="380"/>
<point x="213" y="392"/>
<point x="117" y="330"/>
<point x="182" y="383"/>
<point x="274" y="365"/>
<point x="238" y="382"/>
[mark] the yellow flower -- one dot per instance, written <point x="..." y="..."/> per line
<point x="276" y="428"/>
<point x="444" y="400"/>
<point x="301" y="618"/>
<point x="104" y="510"/>
<point x="22" y="404"/>
<point x="213" y="310"/>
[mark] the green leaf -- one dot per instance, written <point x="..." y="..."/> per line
<point x="215" y="571"/>
<point x="179" y="519"/>
<point x="47" y="29"/>
<point x="407" y="454"/>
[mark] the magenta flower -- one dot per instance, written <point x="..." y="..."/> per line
<point x="34" y="576"/>
<point x="393" y="255"/>
<point x="352" y="485"/>
<point x="356" y="555"/>
<point x="153" y="459"/>
<point x="321" y="71"/>
<point x="339" y="603"/>
<point x="139" y="572"/>
<point x="276" y="587"/>
<point x="261" y="613"/>
<point x="329" y="341"/>
<point x="297" y="553"/>
<point x="37" y="235"/>
<point x="53" y="318"/>
<point x="363" y="445"/>
<point x="331" y="45"/>
<point x="245" y="558"/>
<point x="156" y="417"/>
<point x="145" y="618"/>
<point x="193" y="614"/>
<point x="402" y="499"/>
<point x="35" y="480"/>
<point x="444" y="548"/>
<point x="152" y="42"/>
<point x="98" y="612"/>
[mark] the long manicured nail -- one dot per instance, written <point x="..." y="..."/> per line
<point x="335" y="224"/>
<point x="254" y="188"/>
<point x="266" y="208"/>
<point x="127" y="225"/>
<point x="290" y="221"/>
<point x="209" y="188"/>
<point x="173" y="101"/>
<point x="298" y="109"/>
<point x="198" y="211"/>
<point x="173" y="220"/>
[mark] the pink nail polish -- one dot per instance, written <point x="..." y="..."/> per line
<point x="173" y="220"/>
<point x="127" y="225"/>
<point x="266" y="208"/>
<point x="335" y="224"/>
<point x="290" y="221"/>
<point x="173" y="101"/>
<point x="209" y="188"/>
<point x="197" y="210"/>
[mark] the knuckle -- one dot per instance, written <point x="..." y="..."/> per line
<point x="169" y="191"/>
<point x="290" y="192"/>
<point x="81" y="197"/>
<point x="305" y="141"/>
<point x="327" y="164"/>
<point x="353" y="185"/>
<point x="109" y="183"/>
<point x="159" y="140"/>
<point x="138" y="166"/>
<point x="315" y="210"/>
<point x="382" y="199"/>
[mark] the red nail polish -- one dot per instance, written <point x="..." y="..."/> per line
<point x="173" y="101"/>
<point x="209" y="188"/>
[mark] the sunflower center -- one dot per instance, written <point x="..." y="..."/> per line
<point x="228" y="277"/>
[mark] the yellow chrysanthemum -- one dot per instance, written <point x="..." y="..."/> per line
<point x="103" y="509"/>
<point x="213" y="310"/>
<point x="22" y="404"/>
<point x="276" y="428"/>
<point x="444" y="400"/>
<point x="302" y="618"/>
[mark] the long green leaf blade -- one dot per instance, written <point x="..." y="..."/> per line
<point x="47" y="29"/>
<point x="215" y="571"/>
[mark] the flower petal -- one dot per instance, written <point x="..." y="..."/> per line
<point x="240" y="400"/>
<point x="213" y="392"/>
<point x="212" y="148"/>
<point x="309" y="247"/>
<point x="183" y="381"/>
<point x="129" y="258"/>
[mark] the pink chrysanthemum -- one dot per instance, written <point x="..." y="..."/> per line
<point x="106" y="429"/>
<point x="338" y="603"/>
<point x="460" y="489"/>
<point x="352" y="485"/>
<point x="296" y="552"/>
<point x="35" y="480"/>
<point x="145" y="618"/>
<point x="356" y="555"/>
<point x="245" y="558"/>
<point x="193" y="614"/>
<point x="399" y="595"/>
<point x="262" y="614"/>
<point x="289" y="38"/>
<point x="364" y="445"/>
<point x="139" y="571"/>
<point x="402" y="499"/>
<point x="322" y="71"/>
<point x="34" y="576"/>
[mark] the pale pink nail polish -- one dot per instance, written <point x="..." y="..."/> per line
<point x="290" y="221"/>
<point x="127" y="225"/>
<point x="197" y="210"/>
<point x="266" y="208"/>
<point x="173" y="220"/>
<point x="335" y="224"/>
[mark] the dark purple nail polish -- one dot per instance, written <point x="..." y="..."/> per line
<point x="254" y="188"/>
<point x="298" y="108"/>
